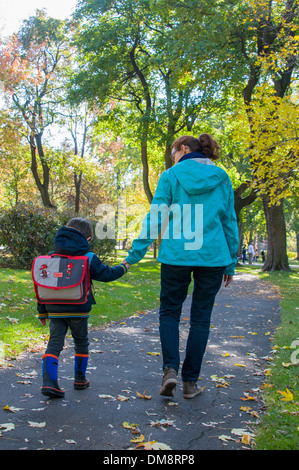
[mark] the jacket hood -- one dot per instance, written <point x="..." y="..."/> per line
<point x="69" y="241"/>
<point x="198" y="178"/>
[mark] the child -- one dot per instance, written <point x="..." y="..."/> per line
<point x="72" y="239"/>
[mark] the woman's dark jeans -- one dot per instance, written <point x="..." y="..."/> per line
<point x="175" y="281"/>
<point x="58" y="330"/>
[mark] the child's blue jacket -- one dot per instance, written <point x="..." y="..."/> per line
<point x="193" y="207"/>
<point x="69" y="241"/>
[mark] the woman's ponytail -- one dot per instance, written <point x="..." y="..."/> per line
<point x="208" y="146"/>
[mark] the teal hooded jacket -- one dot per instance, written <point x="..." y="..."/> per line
<point x="193" y="208"/>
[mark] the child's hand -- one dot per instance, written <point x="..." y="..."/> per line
<point x="43" y="321"/>
<point x="127" y="265"/>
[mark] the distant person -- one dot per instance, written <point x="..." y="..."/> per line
<point x="199" y="238"/>
<point x="244" y="254"/>
<point x="72" y="239"/>
<point x="250" y="253"/>
<point x="263" y="256"/>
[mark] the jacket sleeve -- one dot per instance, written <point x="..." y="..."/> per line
<point x="42" y="312"/>
<point x="153" y="221"/>
<point x="104" y="273"/>
<point x="231" y="231"/>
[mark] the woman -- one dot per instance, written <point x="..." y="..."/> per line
<point x="193" y="208"/>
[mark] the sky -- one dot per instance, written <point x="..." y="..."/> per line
<point x="13" y="12"/>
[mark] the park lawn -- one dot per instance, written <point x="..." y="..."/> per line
<point x="279" y="426"/>
<point x="20" y="330"/>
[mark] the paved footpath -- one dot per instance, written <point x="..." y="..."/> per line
<point x="125" y="358"/>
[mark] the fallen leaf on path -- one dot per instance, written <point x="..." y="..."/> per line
<point x="246" y="439"/>
<point x="248" y="397"/>
<point x="131" y="426"/>
<point x="153" y="445"/>
<point x="138" y="439"/>
<point x="70" y="441"/>
<point x="225" y="438"/>
<point x="7" y="427"/>
<point x="221" y="382"/>
<point x="144" y="396"/>
<point x="32" y="424"/>
<point x="245" y="408"/>
<point x="13" y="409"/>
<point x="241" y="432"/>
<point x="153" y="353"/>
<point x="162" y="422"/>
<point x="240" y="365"/>
<point x="122" y="398"/>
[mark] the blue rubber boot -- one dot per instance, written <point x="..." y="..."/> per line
<point x="50" y="386"/>
<point x="81" y="361"/>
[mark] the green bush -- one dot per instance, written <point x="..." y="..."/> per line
<point x="27" y="232"/>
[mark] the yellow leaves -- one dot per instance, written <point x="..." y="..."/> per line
<point x="131" y="426"/>
<point x="240" y="365"/>
<point x="287" y="395"/>
<point x="153" y="353"/>
<point x="245" y="408"/>
<point x="221" y="382"/>
<point x="139" y="439"/>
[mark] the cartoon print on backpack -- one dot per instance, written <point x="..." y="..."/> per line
<point x="69" y="270"/>
<point x="44" y="273"/>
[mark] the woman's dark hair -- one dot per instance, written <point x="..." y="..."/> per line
<point x="205" y="144"/>
<point x="83" y="225"/>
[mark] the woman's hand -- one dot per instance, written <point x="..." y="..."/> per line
<point x="227" y="279"/>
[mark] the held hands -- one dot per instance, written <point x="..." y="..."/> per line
<point x="227" y="279"/>
<point x="127" y="265"/>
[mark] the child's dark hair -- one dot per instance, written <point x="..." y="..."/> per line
<point x="83" y="225"/>
<point x="205" y="144"/>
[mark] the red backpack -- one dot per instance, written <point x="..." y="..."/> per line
<point x="61" y="279"/>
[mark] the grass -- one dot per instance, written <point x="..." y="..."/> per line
<point x="138" y="291"/>
<point x="279" y="428"/>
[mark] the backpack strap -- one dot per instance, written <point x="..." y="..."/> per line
<point x="90" y="255"/>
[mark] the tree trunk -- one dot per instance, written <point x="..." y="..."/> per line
<point x="43" y="187"/>
<point x="77" y="182"/>
<point x="277" y="259"/>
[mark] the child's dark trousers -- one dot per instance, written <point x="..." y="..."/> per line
<point x="58" y="330"/>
